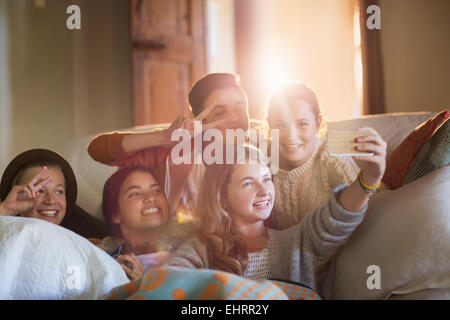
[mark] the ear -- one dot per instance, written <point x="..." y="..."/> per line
<point x="116" y="218"/>
<point x="223" y="201"/>
<point x="224" y="204"/>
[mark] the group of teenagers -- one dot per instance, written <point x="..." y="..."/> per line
<point x="247" y="221"/>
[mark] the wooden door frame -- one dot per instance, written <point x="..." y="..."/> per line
<point x="197" y="32"/>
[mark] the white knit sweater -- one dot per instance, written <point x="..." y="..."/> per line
<point x="309" y="186"/>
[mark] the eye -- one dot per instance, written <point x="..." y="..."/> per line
<point x="220" y="110"/>
<point x="267" y="179"/>
<point x="219" y="113"/>
<point x="41" y="191"/>
<point x="302" y="124"/>
<point x="134" y="194"/>
<point x="248" y="184"/>
<point x="60" y="192"/>
<point x="157" y="191"/>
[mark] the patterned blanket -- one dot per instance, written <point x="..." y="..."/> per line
<point x="171" y="283"/>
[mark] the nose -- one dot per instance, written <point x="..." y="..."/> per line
<point x="49" y="198"/>
<point x="149" y="197"/>
<point x="233" y="118"/>
<point x="291" y="132"/>
<point x="263" y="189"/>
<point x="237" y="116"/>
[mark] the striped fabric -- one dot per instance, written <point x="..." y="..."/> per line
<point x="433" y="155"/>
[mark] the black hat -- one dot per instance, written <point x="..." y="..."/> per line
<point x="40" y="155"/>
<point x="75" y="219"/>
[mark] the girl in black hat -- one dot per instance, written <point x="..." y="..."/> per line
<point x="39" y="192"/>
<point x="40" y="183"/>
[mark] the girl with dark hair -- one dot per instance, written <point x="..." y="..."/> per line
<point x="136" y="212"/>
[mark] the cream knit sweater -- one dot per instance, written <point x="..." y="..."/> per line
<point x="309" y="186"/>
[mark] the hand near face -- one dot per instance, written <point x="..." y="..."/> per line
<point x="131" y="265"/>
<point x="22" y="198"/>
<point x="188" y="123"/>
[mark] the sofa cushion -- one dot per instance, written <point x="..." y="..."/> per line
<point x="405" y="233"/>
<point x="433" y="155"/>
<point x="399" y="162"/>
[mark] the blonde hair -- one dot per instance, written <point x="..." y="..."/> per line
<point x="227" y="249"/>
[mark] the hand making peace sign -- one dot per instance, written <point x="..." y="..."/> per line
<point x="188" y="123"/>
<point x="22" y="198"/>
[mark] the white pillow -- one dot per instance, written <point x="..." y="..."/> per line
<point x="406" y="233"/>
<point x="40" y="260"/>
<point x="90" y="174"/>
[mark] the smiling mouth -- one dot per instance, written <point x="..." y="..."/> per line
<point x="150" y="211"/>
<point x="48" y="212"/>
<point x="261" y="204"/>
<point x="292" y="145"/>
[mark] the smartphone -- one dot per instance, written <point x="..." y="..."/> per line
<point x="342" y="143"/>
<point x="116" y="252"/>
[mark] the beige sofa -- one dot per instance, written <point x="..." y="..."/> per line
<point x="406" y="232"/>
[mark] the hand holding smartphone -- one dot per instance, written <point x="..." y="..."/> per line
<point x="343" y="143"/>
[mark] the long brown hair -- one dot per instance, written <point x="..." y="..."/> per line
<point x="226" y="248"/>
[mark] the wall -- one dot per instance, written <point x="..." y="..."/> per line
<point x="309" y="40"/>
<point x="313" y="40"/>
<point x="5" y="96"/>
<point x="63" y="84"/>
<point x="416" y="54"/>
<point x="220" y="47"/>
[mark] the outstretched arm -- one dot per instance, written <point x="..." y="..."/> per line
<point x="112" y="147"/>
<point x="355" y="197"/>
<point x="324" y="231"/>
